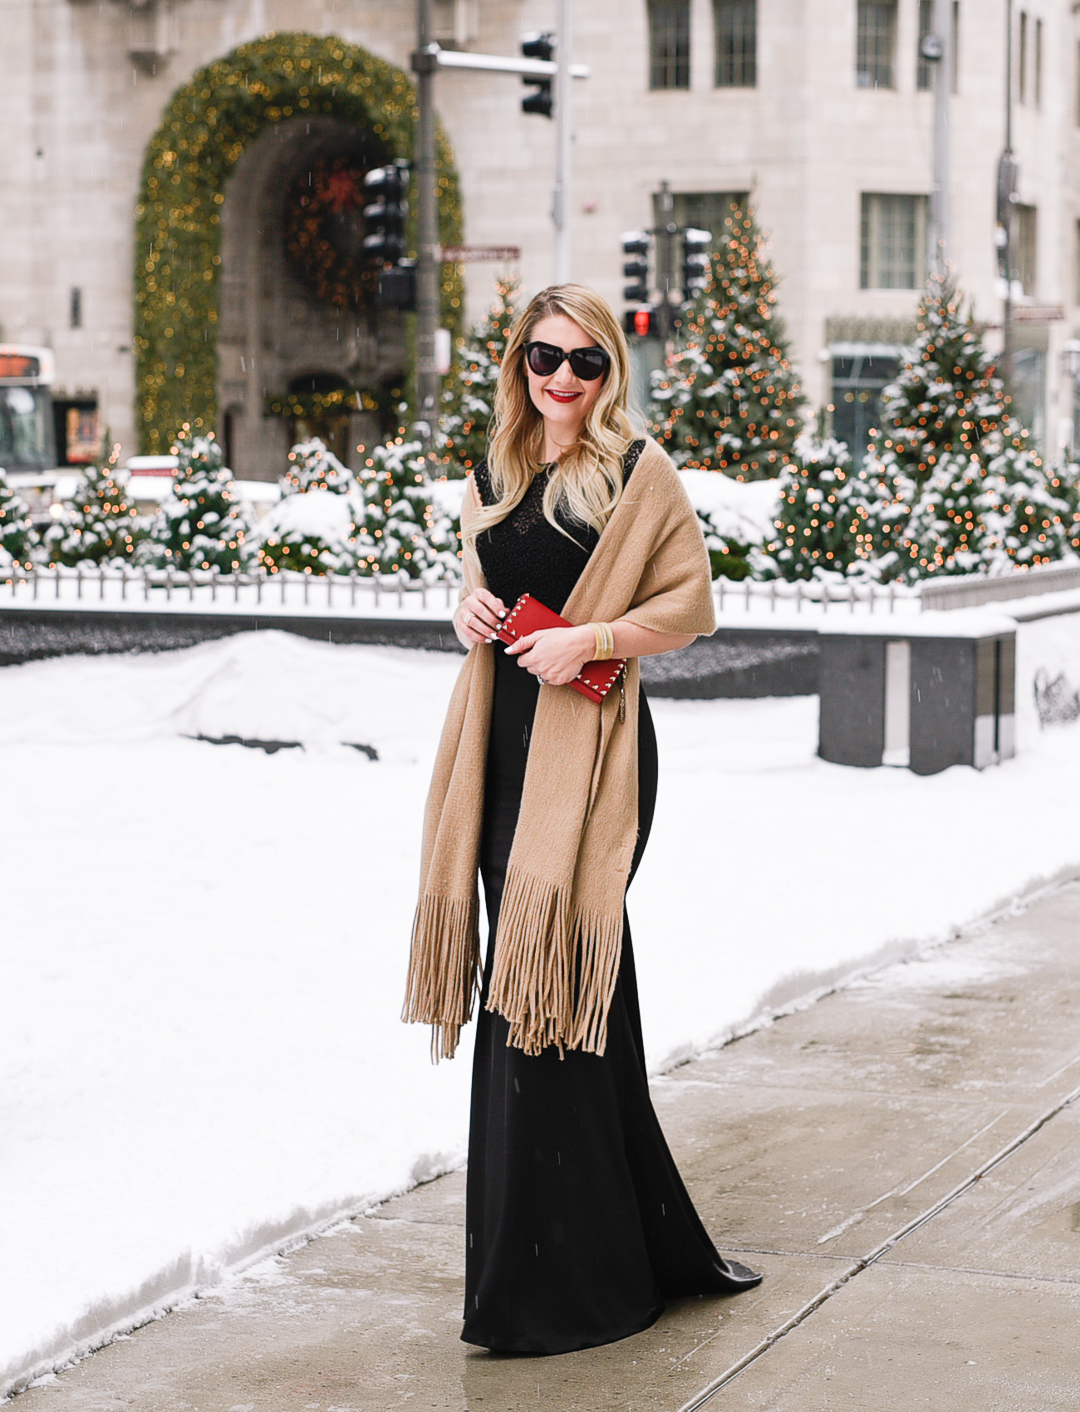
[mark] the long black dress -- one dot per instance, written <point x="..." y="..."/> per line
<point x="578" y="1224"/>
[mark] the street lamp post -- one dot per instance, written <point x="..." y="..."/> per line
<point x="1007" y="182"/>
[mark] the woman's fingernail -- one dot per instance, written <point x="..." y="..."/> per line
<point x="502" y="612"/>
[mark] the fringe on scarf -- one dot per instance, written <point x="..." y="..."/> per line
<point x="444" y="970"/>
<point x="555" y="970"/>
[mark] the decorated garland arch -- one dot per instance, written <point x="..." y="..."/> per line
<point x="205" y="130"/>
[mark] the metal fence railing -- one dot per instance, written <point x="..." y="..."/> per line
<point x="288" y="591"/>
<point x="283" y="592"/>
<point x="756" y="596"/>
<point x="973" y="590"/>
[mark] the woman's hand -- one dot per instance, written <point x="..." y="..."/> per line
<point x="477" y="617"/>
<point x="555" y="655"/>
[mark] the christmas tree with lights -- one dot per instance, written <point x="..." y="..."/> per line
<point x="953" y="484"/>
<point x="469" y="397"/>
<point x="403" y="528"/>
<point x="821" y="512"/>
<point x="18" y="542"/>
<point x="728" y="399"/>
<point x="98" y="525"/>
<point x="1065" y="483"/>
<point x="312" y="528"/>
<point x="201" y="525"/>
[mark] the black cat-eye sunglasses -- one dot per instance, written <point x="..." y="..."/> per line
<point x="588" y="364"/>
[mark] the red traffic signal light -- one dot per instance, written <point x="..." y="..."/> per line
<point x="642" y="323"/>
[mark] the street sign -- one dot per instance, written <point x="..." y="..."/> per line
<point x="471" y="254"/>
<point x="1037" y="313"/>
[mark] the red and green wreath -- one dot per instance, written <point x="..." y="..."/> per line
<point x="324" y="232"/>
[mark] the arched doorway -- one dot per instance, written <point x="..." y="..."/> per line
<point x="302" y="349"/>
<point x="227" y="314"/>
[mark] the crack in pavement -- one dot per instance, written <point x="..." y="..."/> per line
<point x="864" y="1262"/>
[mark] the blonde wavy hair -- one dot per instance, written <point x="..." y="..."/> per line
<point x="587" y="481"/>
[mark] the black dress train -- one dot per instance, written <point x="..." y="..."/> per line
<point x="578" y="1224"/>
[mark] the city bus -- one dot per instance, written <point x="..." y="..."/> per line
<point x="27" y="430"/>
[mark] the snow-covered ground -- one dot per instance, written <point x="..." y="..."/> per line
<point x="204" y="946"/>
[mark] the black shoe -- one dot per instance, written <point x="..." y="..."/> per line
<point x="741" y="1276"/>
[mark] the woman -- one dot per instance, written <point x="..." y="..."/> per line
<point x="577" y="1222"/>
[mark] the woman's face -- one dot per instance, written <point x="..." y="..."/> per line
<point x="562" y="399"/>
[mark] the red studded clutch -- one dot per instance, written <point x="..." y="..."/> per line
<point x="528" y="615"/>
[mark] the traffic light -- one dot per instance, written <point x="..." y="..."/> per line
<point x="642" y="323"/>
<point x="695" y="261"/>
<point x="537" y="45"/>
<point x="635" y="244"/>
<point x="397" y="286"/>
<point x="385" y="210"/>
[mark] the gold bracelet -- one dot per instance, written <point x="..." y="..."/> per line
<point x="605" y="641"/>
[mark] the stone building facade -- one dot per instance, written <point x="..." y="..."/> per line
<point x="818" y="110"/>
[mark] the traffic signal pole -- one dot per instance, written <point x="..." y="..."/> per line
<point x="939" y="199"/>
<point x="428" y="379"/>
<point x="665" y="234"/>
<point x="561" y="196"/>
<point x="426" y="62"/>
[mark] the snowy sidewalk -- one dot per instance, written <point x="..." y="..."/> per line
<point x="847" y="1150"/>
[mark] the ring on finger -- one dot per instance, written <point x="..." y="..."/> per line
<point x="468" y="617"/>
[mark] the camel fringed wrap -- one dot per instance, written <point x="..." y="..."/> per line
<point x="561" y="918"/>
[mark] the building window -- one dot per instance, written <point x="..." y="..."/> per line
<point x="669" y="43"/>
<point x="859" y="373"/>
<point x="735" y="23"/>
<point x="699" y="210"/>
<point x="876" y="45"/>
<point x="893" y="242"/>
<point x="704" y="210"/>
<point x="1022" y="59"/>
<point x="1024" y="262"/>
<point x="924" y="72"/>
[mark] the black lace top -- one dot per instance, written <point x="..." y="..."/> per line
<point x="526" y="554"/>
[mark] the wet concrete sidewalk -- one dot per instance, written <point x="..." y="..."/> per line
<point x="902" y="1160"/>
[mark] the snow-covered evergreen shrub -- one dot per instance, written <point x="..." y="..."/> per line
<point x="736" y="518"/>
<point x="202" y="524"/>
<point x="312" y="529"/>
<point x="19" y="542"/>
<point x="402" y="528"/>
<point x="820" y="515"/>
<point x="1064" y="479"/>
<point x="98" y="524"/>
<point x="729" y="558"/>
